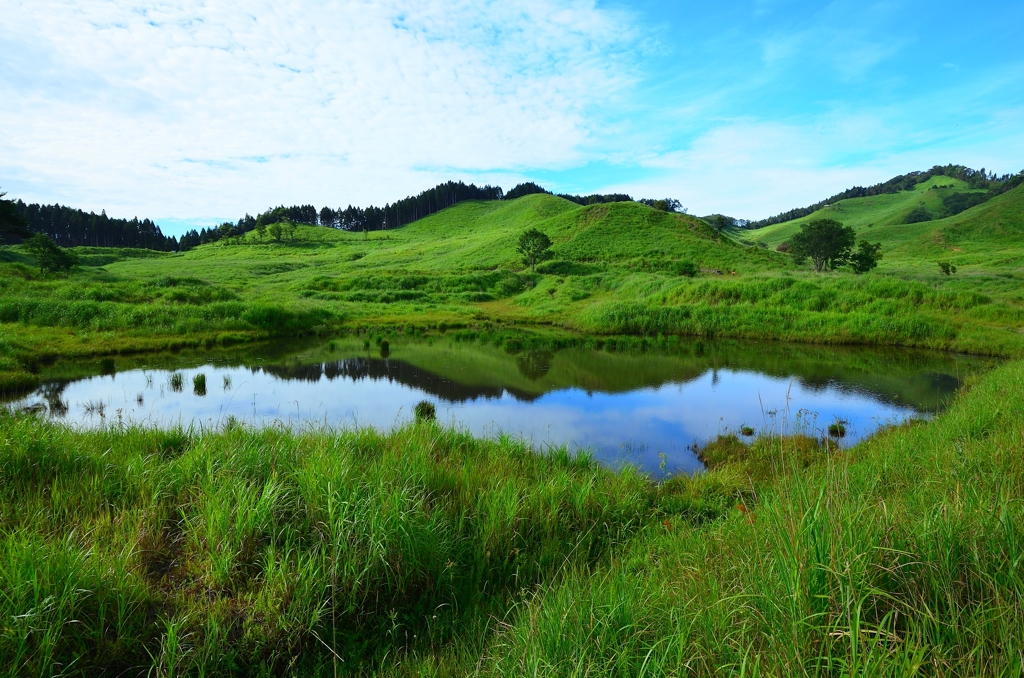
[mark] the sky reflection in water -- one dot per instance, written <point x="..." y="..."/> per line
<point x="651" y="425"/>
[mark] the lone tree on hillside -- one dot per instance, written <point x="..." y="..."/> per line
<point x="276" y="231"/>
<point x="826" y="241"/>
<point x="48" y="255"/>
<point x="535" y="247"/>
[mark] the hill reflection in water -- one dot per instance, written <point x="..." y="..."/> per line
<point x="644" y="408"/>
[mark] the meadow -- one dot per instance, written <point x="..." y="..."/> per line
<point x="616" y="269"/>
<point x="424" y="551"/>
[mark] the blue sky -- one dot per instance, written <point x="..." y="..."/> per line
<point x="191" y="111"/>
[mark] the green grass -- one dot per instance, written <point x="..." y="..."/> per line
<point x="901" y="557"/>
<point x="424" y="551"/>
<point x="616" y="270"/>
<point x="982" y="240"/>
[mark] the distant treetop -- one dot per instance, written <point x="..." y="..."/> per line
<point x="527" y="188"/>
<point x="71" y="227"/>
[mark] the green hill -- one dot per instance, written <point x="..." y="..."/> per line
<point x="617" y="268"/>
<point x="986" y="236"/>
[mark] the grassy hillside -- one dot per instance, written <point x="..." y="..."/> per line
<point x="616" y="269"/>
<point x="986" y="238"/>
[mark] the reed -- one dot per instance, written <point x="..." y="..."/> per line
<point x="425" y="551"/>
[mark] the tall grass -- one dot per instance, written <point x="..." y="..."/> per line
<point x="261" y="551"/>
<point x="424" y="551"/>
<point x="899" y="557"/>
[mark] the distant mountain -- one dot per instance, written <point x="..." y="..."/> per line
<point x="975" y="180"/>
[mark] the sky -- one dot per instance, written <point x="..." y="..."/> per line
<point x="192" y="112"/>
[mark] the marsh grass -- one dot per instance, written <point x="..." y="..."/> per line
<point x="263" y="550"/>
<point x="898" y="557"/>
<point x="425" y="551"/>
<point x="199" y="384"/>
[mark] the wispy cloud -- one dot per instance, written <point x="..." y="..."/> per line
<point x="197" y="110"/>
<point x="190" y="107"/>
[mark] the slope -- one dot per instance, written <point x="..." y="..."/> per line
<point x="987" y="235"/>
<point x="620" y="268"/>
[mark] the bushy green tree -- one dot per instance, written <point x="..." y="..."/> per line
<point x="535" y="247"/>
<point x="866" y="257"/>
<point x="664" y="204"/>
<point x="825" y="241"/>
<point x="48" y="255"/>
<point x="918" y="215"/>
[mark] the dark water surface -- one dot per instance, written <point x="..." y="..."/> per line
<point x="646" y="408"/>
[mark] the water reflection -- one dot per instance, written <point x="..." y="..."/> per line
<point x="644" y="408"/>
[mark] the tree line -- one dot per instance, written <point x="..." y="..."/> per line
<point x="530" y="188"/>
<point x="372" y="218"/>
<point x="393" y="215"/>
<point x="71" y="227"/>
<point x="975" y="179"/>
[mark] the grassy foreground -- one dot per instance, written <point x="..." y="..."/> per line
<point x="424" y="551"/>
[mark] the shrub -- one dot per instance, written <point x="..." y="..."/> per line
<point x="866" y="257"/>
<point x="425" y="411"/>
<point x="686" y="268"/>
<point x="837" y="429"/>
<point x="918" y="215"/>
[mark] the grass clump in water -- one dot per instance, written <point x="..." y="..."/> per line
<point x="425" y="411"/>
<point x="199" y="385"/>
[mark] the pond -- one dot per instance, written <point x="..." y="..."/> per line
<point x="647" y="408"/>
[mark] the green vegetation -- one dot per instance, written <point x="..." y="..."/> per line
<point x="425" y="411"/>
<point x="535" y="247"/>
<point x="616" y="268"/>
<point x="424" y="551"/>
<point x="50" y="257"/>
<point x="825" y="241"/>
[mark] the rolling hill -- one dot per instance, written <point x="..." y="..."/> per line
<point x="615" y="268"/>
<point x="980" y="239"/>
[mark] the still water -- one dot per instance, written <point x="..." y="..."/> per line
<point x="645" y="408"/>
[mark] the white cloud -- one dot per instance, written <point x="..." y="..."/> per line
<point x="191" y="108"/>
<point x="752" y="169"/>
